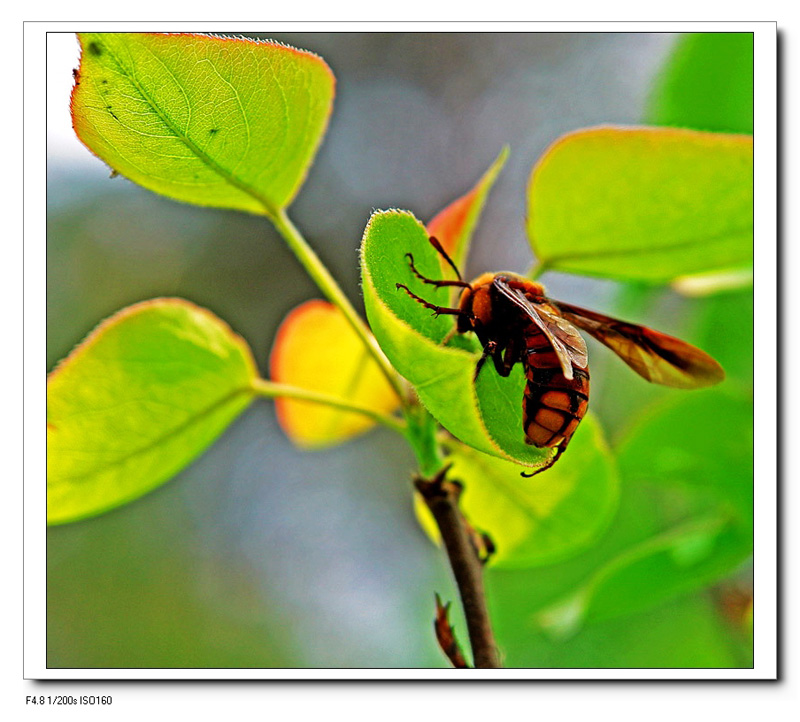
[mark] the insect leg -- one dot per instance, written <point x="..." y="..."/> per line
<point x="490" y="349"/>
<point x="432" y="282"/>
<point x="437" y="310"/>
<point x="544" y="467"/>
<point x="505" y="362"/>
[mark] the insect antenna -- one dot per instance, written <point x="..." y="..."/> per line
<point x="432" y="282"/>
<point x="437" y="310"/>
<point x="438" y="246"/>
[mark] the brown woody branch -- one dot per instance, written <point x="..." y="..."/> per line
<point x="441" y="496"/>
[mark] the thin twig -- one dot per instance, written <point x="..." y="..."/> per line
<point x="441" y="496"/>
<point x="446" y="636"/>
<point x="327" y="284"/>
<point x="270" y="389"/>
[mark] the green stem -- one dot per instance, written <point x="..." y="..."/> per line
<point x="271" y="390"/>
<point x="422" y="435"/>
<point x="327" y="284"/>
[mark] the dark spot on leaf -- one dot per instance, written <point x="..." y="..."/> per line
<point x="113" y="173"/>
<point x="95" y="49"/>
<point x="104" y="81"/>
<point x="213" y="131"/>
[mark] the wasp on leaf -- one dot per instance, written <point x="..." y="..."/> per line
<point x="515" y="322"/>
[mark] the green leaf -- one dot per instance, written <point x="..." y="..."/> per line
<point x="636" y="519"/>
<point x="147" y="391"/>
<point x="685" y="632"/>
<point x="643" y="204"/>
<point x="486" y="415"/>
<point x="702" y="444"/>
<point x="707" y="84"/>
<point x="676" y="562"/>
<point x="539" y="613"/>
<point x="701" y="441"/>
<point x="734" y="349"/>
<point x="543" y="519"/>
<point x="223" y="122"/>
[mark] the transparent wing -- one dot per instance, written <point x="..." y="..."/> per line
<point x="655" y="356"/>
<point x="568" y="344"/>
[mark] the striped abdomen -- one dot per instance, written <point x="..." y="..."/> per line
<point x="553" y="405"/>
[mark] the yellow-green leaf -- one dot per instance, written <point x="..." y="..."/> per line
<point x="223" y="122"/>
<point x="643" y="204"/>
<point x="543" y="519"/>
<point x="147" y="391"/>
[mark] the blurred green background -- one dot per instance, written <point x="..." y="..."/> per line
<point x="259" y="555"/>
